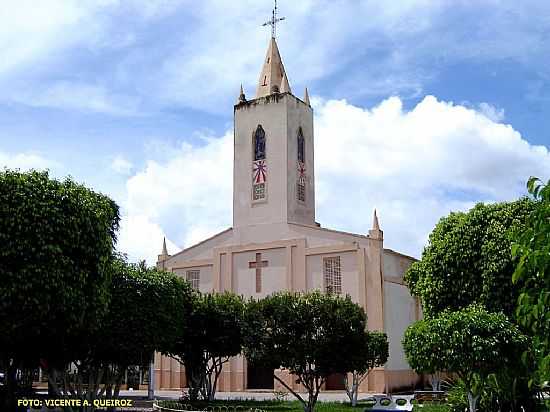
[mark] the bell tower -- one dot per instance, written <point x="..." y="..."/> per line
<point x="273" y="171"/>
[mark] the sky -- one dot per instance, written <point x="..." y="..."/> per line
<point x="421" y="107"/>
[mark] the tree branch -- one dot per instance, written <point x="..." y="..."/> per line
<point x="297" y="395"/>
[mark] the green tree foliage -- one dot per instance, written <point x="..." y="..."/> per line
<point x="468" y="260"/>
<point x="421" y="344"/>
<point x="471" y="343"/>
<point x="312" y="335"/>
<point x="532" y="248"/>
<point x="56" y="241"/>
<point x="146" y="313"/>
<point x="213" y="332"/>
<point x="374" y="352"/>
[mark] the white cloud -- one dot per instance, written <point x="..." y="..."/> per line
<point x="141" y="238"/>
<point x="491" y="112"/>
<point x="188" y="195"/>
<point x="25" y="161"/>
<point x="413" y="166"/>
<point x="78" y="96"/>
<point x="30" y="30"/>
<point x="364" y="48"/>
<point x="122" y="165"/>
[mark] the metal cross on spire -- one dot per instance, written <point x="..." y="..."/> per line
<point x="274" y="20"/>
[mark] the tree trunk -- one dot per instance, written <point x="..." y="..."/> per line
<point x="435" y="381"/>
<point x="11" y="384"/>
<point x="355" y="395"/>
<point x="472" y="401"/>
<point x="151" y="385"/>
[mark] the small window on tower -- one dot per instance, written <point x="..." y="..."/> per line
<point x="301" y="191"/>
<point x="259" y="143"/>
<point x="193" y="277"/>
<point x="258" y="191"/>
<point x="333" y="275"/>
<point x="301" y="146"/>
<point x="265" y="81"/>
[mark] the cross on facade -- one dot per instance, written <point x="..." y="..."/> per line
<point x="258" y="265"/>
<point x="274" y="20"/>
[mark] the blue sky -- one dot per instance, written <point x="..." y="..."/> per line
<point x="422" y="107"/>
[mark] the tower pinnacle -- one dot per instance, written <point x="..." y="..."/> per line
<point x="285" y="87"/>
<point x="242" y="97"/>
<point x="163" y="255"/>
<point x="375" y="223"/>
<point x="164" y="249"/>
<point x="273" y="72"/>
<point x="306" y="98"/>
<point x="375" y="232"/>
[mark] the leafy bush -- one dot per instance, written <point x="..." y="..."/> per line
<point x="532" y="249"/>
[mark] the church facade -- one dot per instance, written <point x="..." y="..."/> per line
<point x="275" y="243"/>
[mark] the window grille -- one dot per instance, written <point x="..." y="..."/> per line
<point x="259" y="191"/>
<point x="301" y="191"/>
<point x="193" y="277"/>
<point x="333" y="275"/>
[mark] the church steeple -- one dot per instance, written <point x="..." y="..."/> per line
<point x="273" y="169"/>
<point x="273" y="72"/>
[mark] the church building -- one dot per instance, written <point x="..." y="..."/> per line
<point x="276" y="244"/>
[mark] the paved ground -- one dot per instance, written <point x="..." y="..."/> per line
<point x="255" y="395"/>
<point x="259" y="395"/>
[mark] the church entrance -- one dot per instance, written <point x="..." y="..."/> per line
<point x="258" y="377"/>
<point x="335" y="382"/>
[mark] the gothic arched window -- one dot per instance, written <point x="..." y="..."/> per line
<point x="259" y="143"/>
<point x="301" y="146"/>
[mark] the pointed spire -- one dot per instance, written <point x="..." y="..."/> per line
<point x="242" y="97"/>
<point x="375" y="232"/>
<point x="285" y="87"/>
<point x="164" y="256"/>
<point x="273" y="71"/>
<point x="164" y="249"/>
<point x="306" y="98"/>
<point x="375" y="224"/>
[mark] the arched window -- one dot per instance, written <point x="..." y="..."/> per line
<point x="259" y="143"/>
<point x="301" y="146"/>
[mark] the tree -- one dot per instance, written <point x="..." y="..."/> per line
<point x="468" y="260"/>
<point x="56" y="242"/>
<point x="146" y="314"/>
<point x="213" y="332"/>
<point x="421" y="344"/>
<point x="373" y="353"/>
<point x="311" y="335"/>
<point x="532" y="249"/>
<point x="471" y="342"/>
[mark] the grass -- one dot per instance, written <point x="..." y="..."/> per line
<point x="432" y="407"/>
